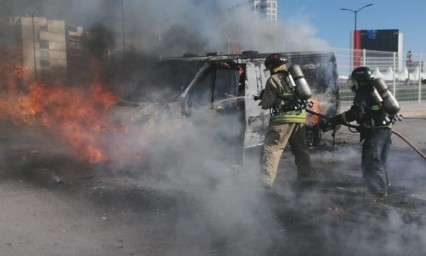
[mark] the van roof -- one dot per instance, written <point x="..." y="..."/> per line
<point x="247" y="55"/>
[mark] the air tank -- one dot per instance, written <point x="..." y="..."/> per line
<point x="302" y="87"/>
<point x="290" y="82"/>
<point x="385" y="97"/>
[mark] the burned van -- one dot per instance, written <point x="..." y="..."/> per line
<point x="226" y="85"/>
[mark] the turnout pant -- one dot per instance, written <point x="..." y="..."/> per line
<point x="276" y="140"/>
<point x="375" y="149"/>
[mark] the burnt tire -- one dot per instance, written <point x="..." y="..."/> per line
<point x="313" y="136"/>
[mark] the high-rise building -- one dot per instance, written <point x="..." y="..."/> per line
<point x="50" y="50"/>
<point x="43" y="45"/>
<point x="266" y="9"/>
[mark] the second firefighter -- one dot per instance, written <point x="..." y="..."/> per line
<point x="374" y="114"/>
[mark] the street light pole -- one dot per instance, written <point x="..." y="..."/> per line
<point x="355" y="14"/>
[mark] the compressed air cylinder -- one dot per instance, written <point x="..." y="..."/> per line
<point x="303" y="90"/>
<point x="290" y="82"/>
<point x="385" y="97"/>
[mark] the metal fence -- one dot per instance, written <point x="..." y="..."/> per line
<point x="404" y="75"/>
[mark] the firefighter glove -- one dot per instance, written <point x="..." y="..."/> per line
<point x="336" y="120"/>
<point x="332" y="123"/>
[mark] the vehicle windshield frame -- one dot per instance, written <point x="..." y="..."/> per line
<point x="165" y="81"/>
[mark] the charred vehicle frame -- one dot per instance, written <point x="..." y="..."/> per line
<point x="226" y="85"/>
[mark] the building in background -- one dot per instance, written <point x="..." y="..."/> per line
<point x="266" y="9"/>
<point x="50" y="50"/>
<point x="43" y="46"/>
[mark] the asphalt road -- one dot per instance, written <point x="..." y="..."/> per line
<point x="52" y="204"/>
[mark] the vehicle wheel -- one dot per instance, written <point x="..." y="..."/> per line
<point x="313" y="136"/>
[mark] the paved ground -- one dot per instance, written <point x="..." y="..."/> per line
<point x="53" y="205"/>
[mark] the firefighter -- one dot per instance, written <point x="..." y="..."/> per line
<point x="374" y="129"/>
<point x="287" y="124"/>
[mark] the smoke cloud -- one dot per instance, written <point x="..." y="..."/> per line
<point x="193" y="156"/>
<point x="175" y="27"/>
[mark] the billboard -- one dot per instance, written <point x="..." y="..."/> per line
<point x="379" y="40"/>
<point x="387" y="40"/>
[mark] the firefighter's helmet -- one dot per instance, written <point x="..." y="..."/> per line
<point x="275" y="60"/>
<point x="360" y="76"/>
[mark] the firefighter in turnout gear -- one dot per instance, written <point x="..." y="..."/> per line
<point x="287" y="124"/>
<point x="374" y="127"/>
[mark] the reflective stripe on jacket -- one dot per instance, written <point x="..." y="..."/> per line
<point x="293" y="116"/>
<point x="277" y="93"/>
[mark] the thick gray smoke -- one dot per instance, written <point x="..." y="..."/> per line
<point x="203" y="26"/>
<point x="229" y="214"/>
<point x="175" y="27"/>
<point x="194" y="158"/>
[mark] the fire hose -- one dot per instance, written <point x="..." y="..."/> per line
<point x="409" y="143"/>
<point x="393" y="131"/>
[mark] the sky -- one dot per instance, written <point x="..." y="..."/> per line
<point x="334" y="25"/>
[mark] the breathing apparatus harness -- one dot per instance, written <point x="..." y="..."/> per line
<point x="384" y="112"/>
<point x="296" y="81"/>
<point x="386" y="100"/>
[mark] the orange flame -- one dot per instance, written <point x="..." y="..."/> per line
<point x="72" y="112"/>
<point x="313" y="119"/>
